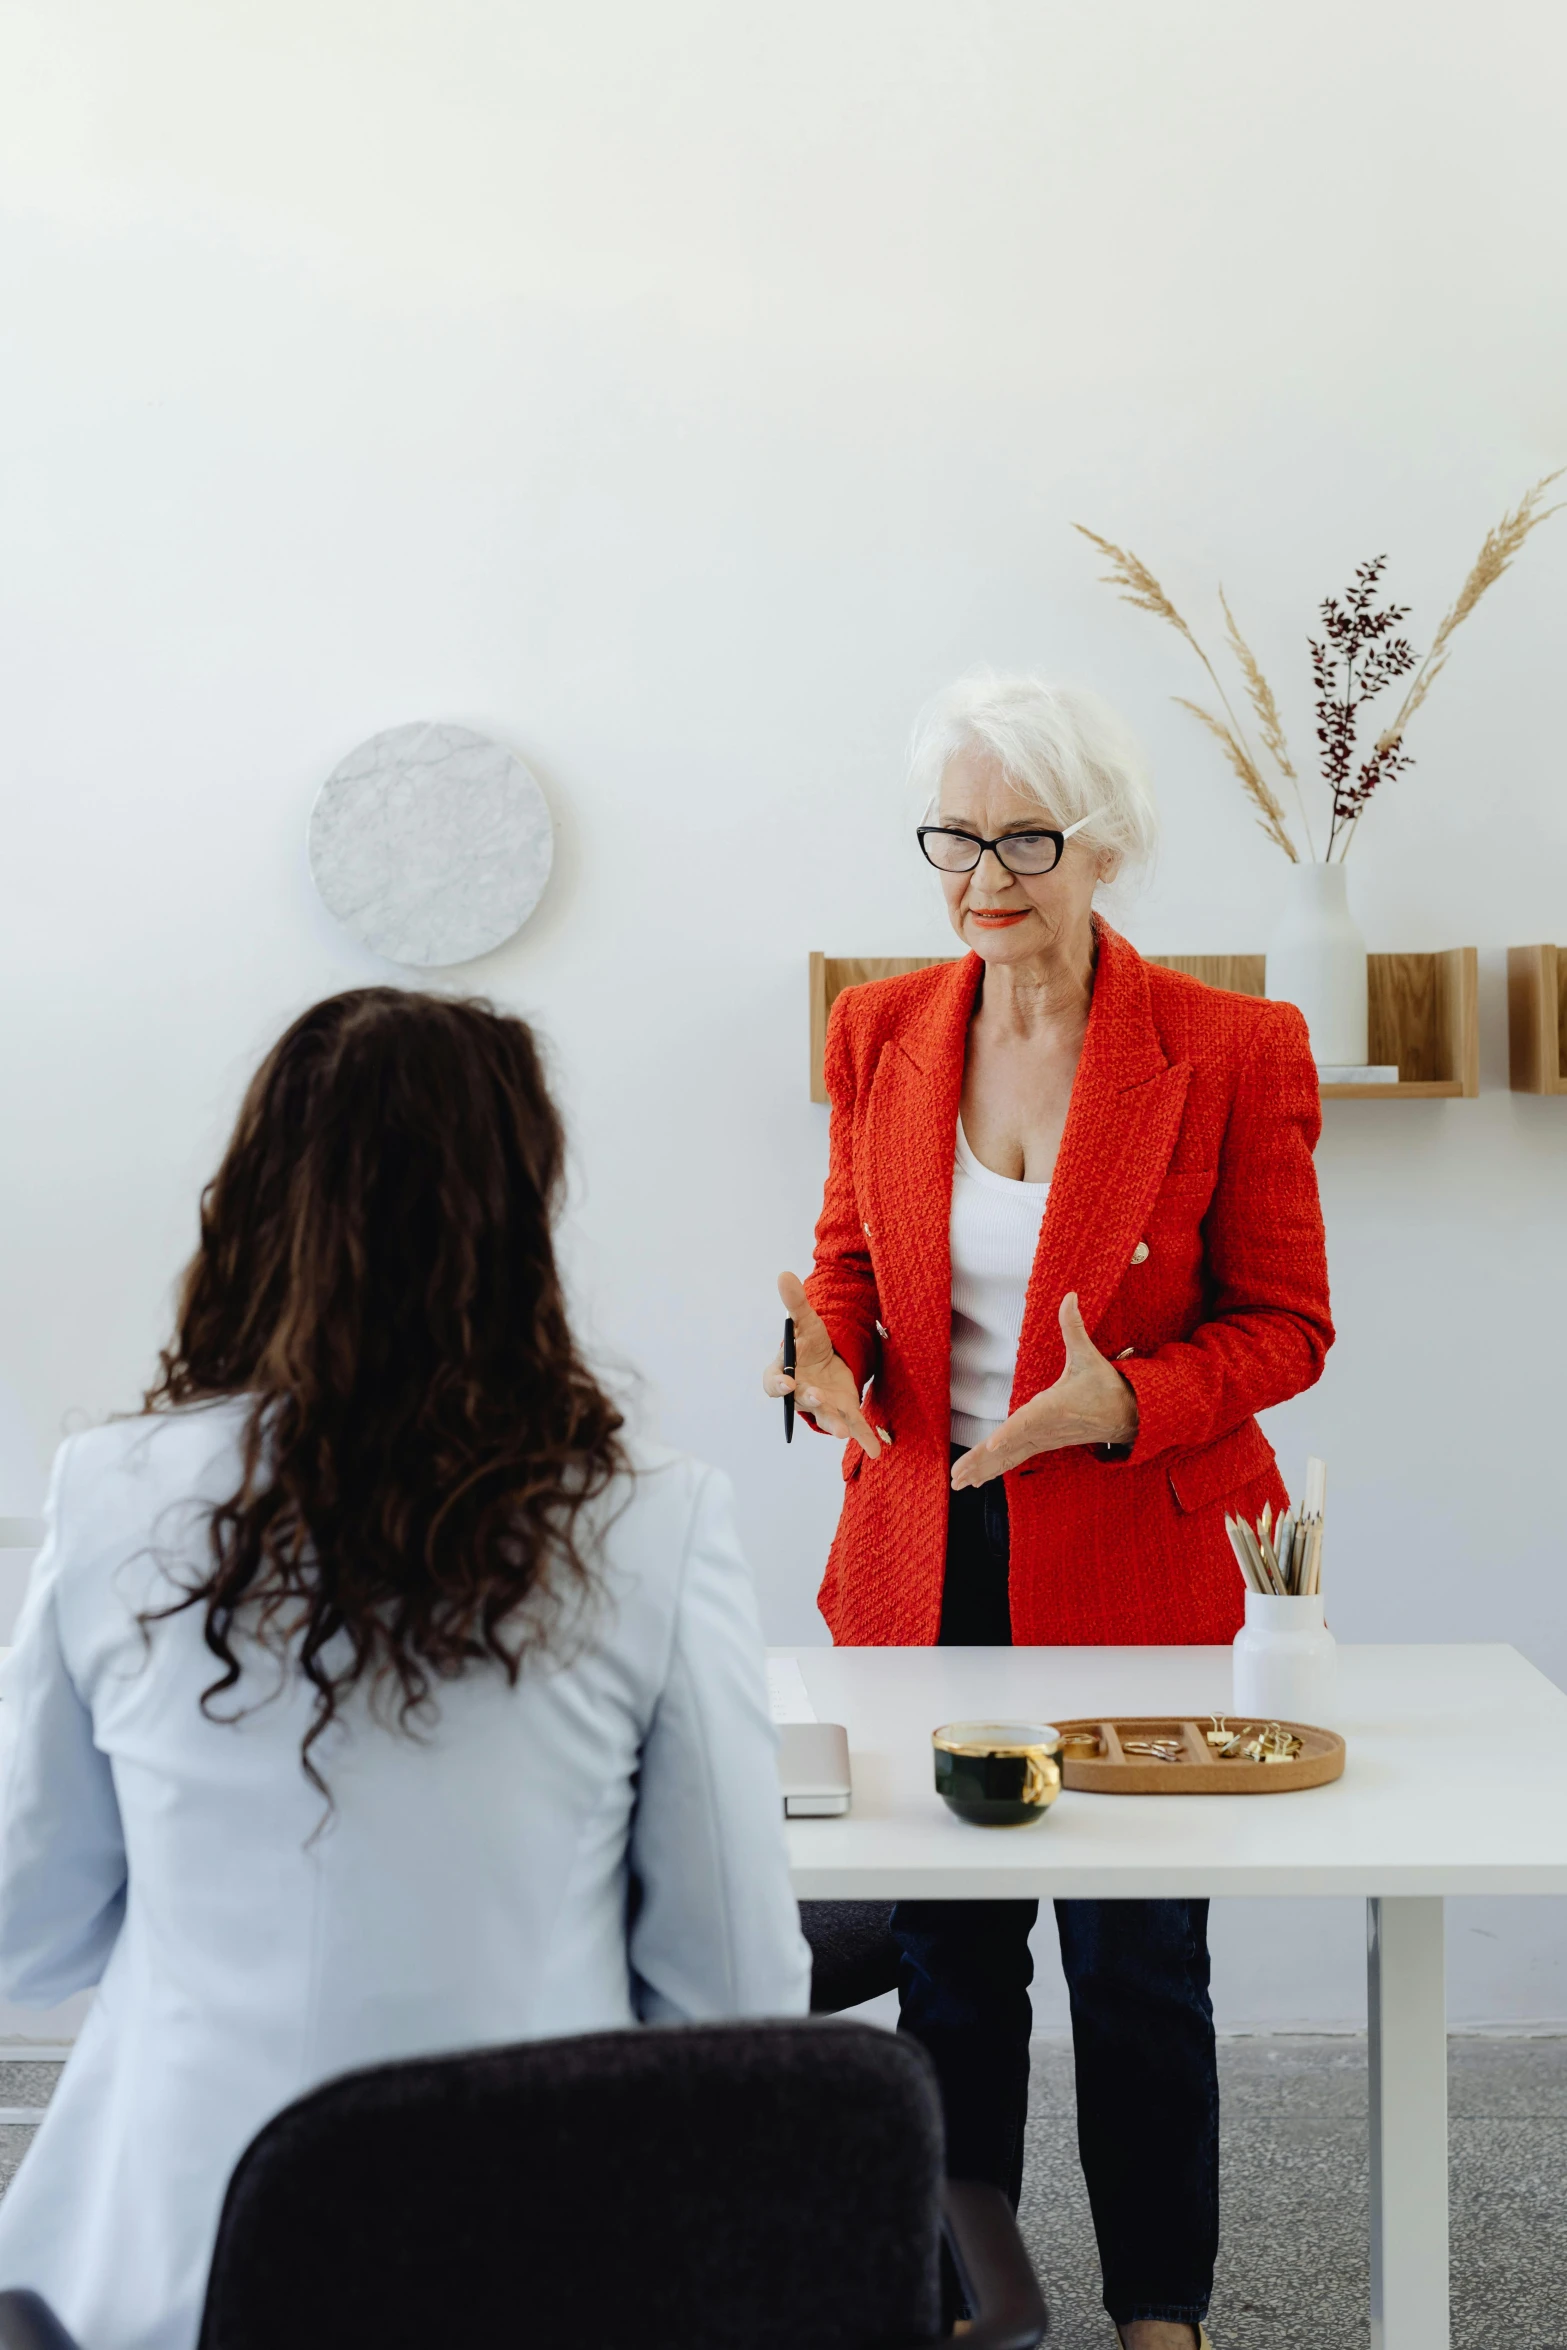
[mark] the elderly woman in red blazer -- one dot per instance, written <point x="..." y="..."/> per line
<point x="1070" y="1246"/>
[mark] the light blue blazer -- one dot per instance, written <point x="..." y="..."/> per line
<point x="473" y="1884"/>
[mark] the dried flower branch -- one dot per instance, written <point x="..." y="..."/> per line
<point x="1358" y="659"/>
<point x="1271" y="816"/>
<point x="1130" y="576"/>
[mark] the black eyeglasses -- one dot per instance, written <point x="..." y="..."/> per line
<point x="1029" y="853"/>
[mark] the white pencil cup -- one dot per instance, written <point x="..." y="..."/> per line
<point x="1286" y="1662"/>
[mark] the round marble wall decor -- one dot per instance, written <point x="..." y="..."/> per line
<point x="431" y="844"/>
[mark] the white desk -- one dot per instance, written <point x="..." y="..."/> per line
<point x="1456" y="1783"/>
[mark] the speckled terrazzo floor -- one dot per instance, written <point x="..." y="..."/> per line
<point x="1292" y="2267"/>
<point x="1293" y="2261"/>
<point x="21" y="2084"/>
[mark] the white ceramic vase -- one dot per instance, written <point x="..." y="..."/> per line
<point x="1285" y="1662"/>
<point x="1317" y="960"/>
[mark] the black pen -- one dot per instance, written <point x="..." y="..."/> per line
<point x="788" y="1364"/>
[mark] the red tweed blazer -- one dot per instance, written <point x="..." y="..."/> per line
<point x="1193" y="1118"/>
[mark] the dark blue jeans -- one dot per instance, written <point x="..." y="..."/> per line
<point x="1142" y="2022"/>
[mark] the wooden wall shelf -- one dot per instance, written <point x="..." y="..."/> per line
<point x="1424" y="1013"/>
<point x="1537" y="1019"/>
<point x="1425" y="1018"/>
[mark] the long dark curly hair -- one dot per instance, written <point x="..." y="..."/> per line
<point x="377" y="1274"/>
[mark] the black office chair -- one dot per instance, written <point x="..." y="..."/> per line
<point x="853" y="1954"/>
<point x="681" y="2188"/>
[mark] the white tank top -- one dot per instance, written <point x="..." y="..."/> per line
<point x="995" y="1232"/>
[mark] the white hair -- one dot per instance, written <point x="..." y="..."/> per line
<point x="1058" y="744"/>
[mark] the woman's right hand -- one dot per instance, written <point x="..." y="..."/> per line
<point x="823" y="1383"/>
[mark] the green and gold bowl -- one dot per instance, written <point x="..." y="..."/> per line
<point x="998" y="1774"/>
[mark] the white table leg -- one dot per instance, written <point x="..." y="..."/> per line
<point x="1408" y="2036"/>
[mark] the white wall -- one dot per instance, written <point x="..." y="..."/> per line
<point x="683" y="394"/>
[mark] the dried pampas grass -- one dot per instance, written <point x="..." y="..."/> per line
<point x="1498" y="551"/>
<point x="1136" y="584"/>
<point x="1253" y="783"/>
<point x="1130" y="576"/>
<point x="1269" y="724"/>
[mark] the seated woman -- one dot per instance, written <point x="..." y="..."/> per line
<point x="372" y="1695"/>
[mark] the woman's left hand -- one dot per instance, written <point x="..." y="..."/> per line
<point x="1089" y="1404"/>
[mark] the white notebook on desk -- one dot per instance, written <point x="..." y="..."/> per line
<point x="813" y="1756"/>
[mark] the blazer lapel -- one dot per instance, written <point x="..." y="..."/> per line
<point x="1121" y="1128"/>
<point x="911" y="1137"/>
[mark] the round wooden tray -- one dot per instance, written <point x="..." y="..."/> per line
<point x="1114" y="1772"/>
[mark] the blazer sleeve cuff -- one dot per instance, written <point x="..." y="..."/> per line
<point x="1160" y="1413"/>
<point x="856" y="1346"/>
<point x="859" y="1352"/>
